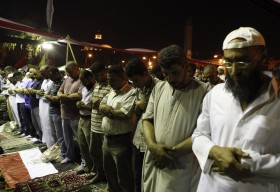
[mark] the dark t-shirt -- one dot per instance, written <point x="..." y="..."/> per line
<point x="34" y="101"/>
<point x="55" y="106"/>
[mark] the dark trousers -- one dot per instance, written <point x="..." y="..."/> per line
<point x="117" y="163"/>
<point x="36" y="122"/>
<point x="25" y="118"/>
<point x="138" y="157"/>
<point x="96" y="141"/>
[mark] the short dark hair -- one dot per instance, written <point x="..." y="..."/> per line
<point x="17" y="74"/>
<point x="53" y="69"/>
<point x="116" y="69"/>
<point x="172" y="55"/>
<point x="98" y="66"/>
<point x="85" y="73"/>
<point x="135" y="66"/>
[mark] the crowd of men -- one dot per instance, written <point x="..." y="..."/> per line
<point x="167" y="133"/>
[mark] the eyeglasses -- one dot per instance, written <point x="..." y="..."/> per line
<point x="239" y="64"/>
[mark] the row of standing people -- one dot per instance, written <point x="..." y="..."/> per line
<point x="222" y="140"/>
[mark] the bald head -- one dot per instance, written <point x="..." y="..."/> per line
<point x="209" y="69"/>
<point x="72" y="69"/>
<point x="211" y="74"/>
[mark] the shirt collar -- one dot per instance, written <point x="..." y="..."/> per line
<point x="124" y="89"/>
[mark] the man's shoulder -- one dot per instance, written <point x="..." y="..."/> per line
<point x="160" y="84"/>
<point x="218" y="92"/>
<point x="199" y="85"/>
<point x="219" y="87"/>
<point x="156" y="80"/>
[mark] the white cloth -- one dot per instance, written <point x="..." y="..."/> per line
<point x="19" y="97"/>
<point x="21" y="85"/>
<point x="14" y="109"/>
<point x="174" y="113"/>
<point x="34" y="165"/>
<point x="122" y="100"/>
<point x="13" y="105"/>
<point x="222" y="77"/>
<point x="86" y="98"/>
<point x="48" y="130"/>
<point x="8" y="84"/>
<point x="255" y="131"/>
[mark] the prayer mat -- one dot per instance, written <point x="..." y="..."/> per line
<point x="15" y="142"/>
<point x="24" y="165"/>
<point x="60" y="182"/>
<point x="98" y="187"/>
<point x="65" y="167"/>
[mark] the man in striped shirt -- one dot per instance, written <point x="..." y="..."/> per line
<point x="96" y="139"/>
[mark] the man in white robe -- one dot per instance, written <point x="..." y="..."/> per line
<point x="237" y="136"/>
<point x="48" y="130"/>
<point x="170" y="118"/>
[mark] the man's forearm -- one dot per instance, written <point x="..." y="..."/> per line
<point x="149" y="133"/>
<point x="182" y="148"/>
<point x="59" y="93"/>
<point x="88" y="106"/>
<point x="118" y="114"/>
<point x="75" y="96"/>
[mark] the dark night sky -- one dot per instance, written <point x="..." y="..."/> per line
<point x="153" y="24"/>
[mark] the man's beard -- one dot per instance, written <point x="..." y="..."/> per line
<point x="246" y="87"/>
<point x="183" y="84"/>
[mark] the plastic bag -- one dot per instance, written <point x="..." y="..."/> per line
<point x="52" y="153"/>
<point x="8" y="127"/>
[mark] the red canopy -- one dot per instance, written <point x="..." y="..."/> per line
<point x="8" y="24"/>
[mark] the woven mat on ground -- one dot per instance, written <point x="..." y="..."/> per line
<point x="24" y="165"/>
<point x="60" y="182"/>
<point x="98" y="187"/>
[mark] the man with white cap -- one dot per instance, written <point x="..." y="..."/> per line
<point x="237" y="137"/>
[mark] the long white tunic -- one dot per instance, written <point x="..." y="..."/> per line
<point x="13" y="104"/>
<point x="175" y="113"/>
<point x="255" y="130"/>
<point x="47" y="128"/>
